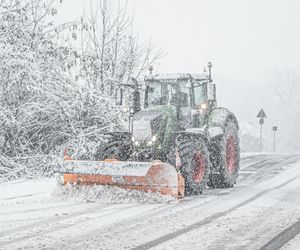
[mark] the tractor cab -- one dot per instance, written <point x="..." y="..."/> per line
<point x="180" y="90"/>
<point x="189" y="93"/>
<point x="165" y="92"/>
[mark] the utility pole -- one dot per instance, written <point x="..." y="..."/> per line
<point x="274" y="139"/>
<point x="261" y="115"/>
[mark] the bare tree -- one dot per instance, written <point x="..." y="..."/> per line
<point x="113" y="52"/>
<point x="286" y="89"/>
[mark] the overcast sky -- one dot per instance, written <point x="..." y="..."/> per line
<point x="252" y="36"/>
<point x="246" y="40"/>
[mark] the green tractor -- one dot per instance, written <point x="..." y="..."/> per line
<point x="182" y="125"/>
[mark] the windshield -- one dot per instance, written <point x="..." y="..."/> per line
<point x="158" y="94"/>
<point x="200" y="93"/>
<point x="162" y="93"/>
<point x="180" y="94"/>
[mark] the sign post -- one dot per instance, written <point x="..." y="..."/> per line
<point x="261" y="115"/>
<point x="274" y="139"/>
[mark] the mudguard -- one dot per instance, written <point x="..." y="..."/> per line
<point x="217" y="120"/>
<point x="193" y="133"/>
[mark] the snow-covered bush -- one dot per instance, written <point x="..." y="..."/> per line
<point x="43" y="107"/>
<point x="249" y="137"/>
<point x="31" y="68"/>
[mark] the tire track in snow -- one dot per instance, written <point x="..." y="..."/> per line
<point x="251" y="160"/>
<point x="258" y="171"/>
<point x="208" y="220"/>
<point x="254" y="164"/>
<point x="248" y="161"/>
<point x="67" y="244"/>
<point x="262" y="163"/>
<point x="51" y="220"/>
<point x="13" y="182"/>
<point x="20" y="196"/>
<point x="120" y="224"/>
<point x="40" y="209"/>
<point x="282" y="238"/>
<point x="253" y="225"/>
<point x="59" y="227"/>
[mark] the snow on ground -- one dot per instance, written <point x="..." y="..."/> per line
<point x="36" y="214"/>
<point x="110" y="194"/>
<point x="251" y="225"/>
<point x="257" y="154"/>
<point x="293" y="244"/>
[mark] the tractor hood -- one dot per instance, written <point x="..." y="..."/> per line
<point x="152" y="121"/>
<point x="145" y="124"/>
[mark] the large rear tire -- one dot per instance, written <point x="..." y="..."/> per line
<point x="225" y="157"/>
<point x="195" y="164"/>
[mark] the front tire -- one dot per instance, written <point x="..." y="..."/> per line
<point x="225" y="158"/>
<point x="195" y="164"/>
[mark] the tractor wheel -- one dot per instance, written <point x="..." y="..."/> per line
<point x="171" y="154"/>
<point x="195" y="164"/>
<point x="225" y="157"/>
<point x="115" y="149"/>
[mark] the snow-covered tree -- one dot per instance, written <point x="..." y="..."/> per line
<point x="249" y="137"/>
<point x="54" y="95"/>
<point x="31" y="65"/>
<point x="286" y="92"/>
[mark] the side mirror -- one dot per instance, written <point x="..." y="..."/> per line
<point x="119" y="97"/>
<point x="211" y="92"/>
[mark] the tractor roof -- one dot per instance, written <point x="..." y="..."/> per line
<point x="175" y="77"/>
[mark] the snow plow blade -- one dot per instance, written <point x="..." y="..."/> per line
<point x="153" y="176"/>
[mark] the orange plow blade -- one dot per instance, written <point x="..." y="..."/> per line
<point x="153" y="176"/>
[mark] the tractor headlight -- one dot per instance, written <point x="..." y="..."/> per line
<point x="152" y="140"/>
<point x="125" y="109"/>
<point x="131" y="110"/>
<point x="203" y="106"/>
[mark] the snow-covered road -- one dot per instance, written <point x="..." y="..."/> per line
<point x="261" y="212"/>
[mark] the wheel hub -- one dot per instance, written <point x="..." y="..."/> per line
<point x="199" y="167"/>
<point x="230" y="154"/>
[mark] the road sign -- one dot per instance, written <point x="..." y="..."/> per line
<point x="261" y="114"/>
<point x="261" y="121"/>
